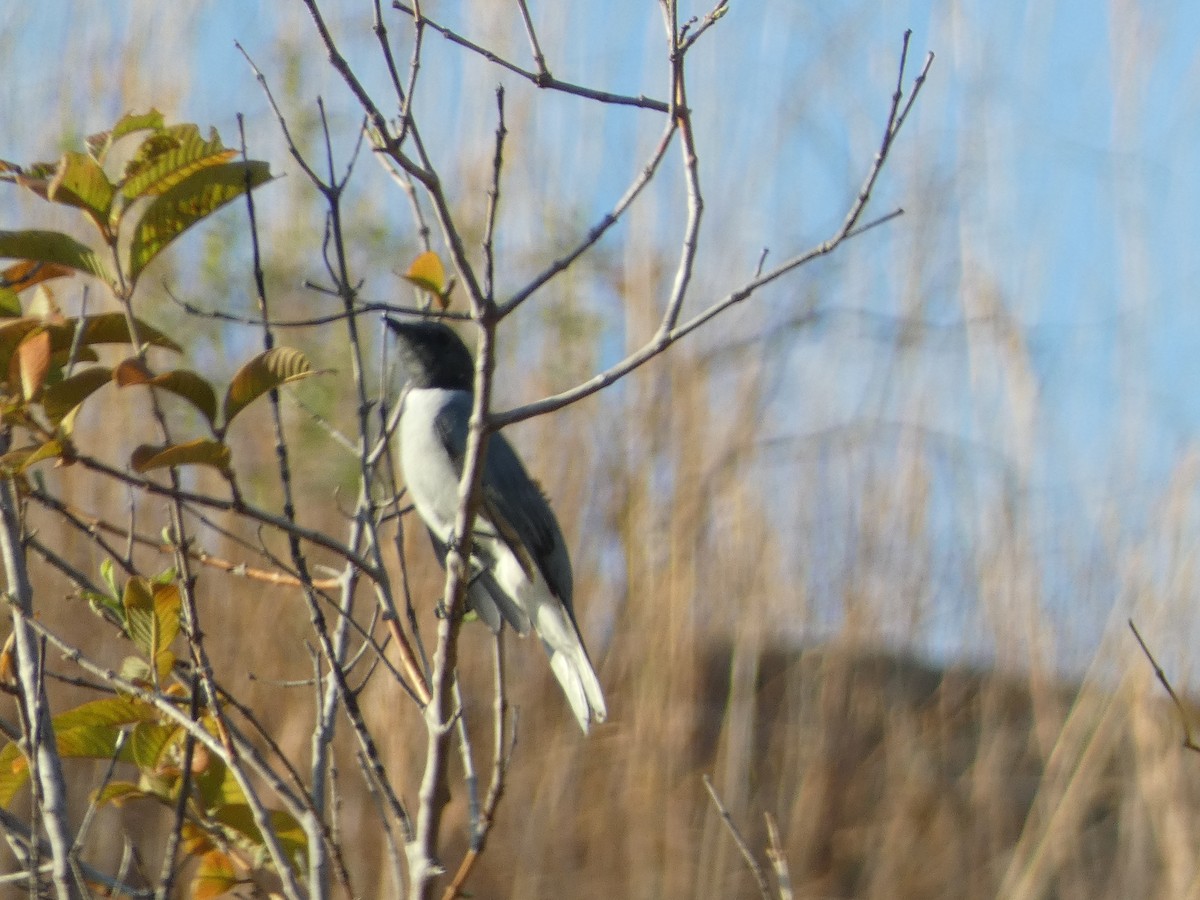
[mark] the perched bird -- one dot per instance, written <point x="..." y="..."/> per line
<point x="520" y="571"/>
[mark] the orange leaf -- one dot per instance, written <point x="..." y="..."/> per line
<point x="29" y="272"/>
<point x="33" y="361"/>
<point x="217" y="875"/>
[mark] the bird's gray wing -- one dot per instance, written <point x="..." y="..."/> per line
<point x="512" y="502"/>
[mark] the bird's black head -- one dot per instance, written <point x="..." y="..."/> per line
<point x="432" y="356"/>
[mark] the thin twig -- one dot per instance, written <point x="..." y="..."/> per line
<point x="241" y="507"/>
<point x="502" y="753"/>
<point x="760" y="877"/>
<point x="91" y="525"/>
<point x="94" y="800"/>
<point x="489" y="229"/>
<point x="422" y="852"/>
<point x="535" y="47"/>
<point x="19" y="836"/>
<point x="467" y="754"/>
<point x="385" y="47"/>
<point x="1185" y="718"/>
<point x="166" y="877"/>
<point x="46" y="775"/>
<point x="668" y="333"/>
<point x="690" y="242"/>
<point x="597" y="231"/>
<point x="395" y="857"/>
<point x="405" y="181"/>
<point x="541" y="78"/>
<point x="775" y="855"/>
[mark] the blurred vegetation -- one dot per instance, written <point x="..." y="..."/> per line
<point x="847" y="619"/>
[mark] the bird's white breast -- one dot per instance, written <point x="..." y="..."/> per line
<point x="429" y="472"/>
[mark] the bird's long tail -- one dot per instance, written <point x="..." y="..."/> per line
<point x="571" y="666"/>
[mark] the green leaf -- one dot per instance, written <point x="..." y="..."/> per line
<point x="182" y="206"/>
<point x="98" y="145"/>
<point x="148" y="743"/>
<point x="200" y="452"/>
<point x="59" y="399"/>
<point x="108" y="575"/>
<point x="90" y="730"/>
<point x="169" y="157"/>
<point x="52" y="247"/>
<point x="168" y="575"/>
<point x="152" y="622"/>
<point x="289" y="832"/>
<point x="95" y="741"/>
<point x="14" y="772"/>
<point x="107" y="711"/>
<point x="166" y="626"/>
<point x="264" y="373"/>
<point x="10" y="303"/>
<point x="181" y="382"/>
<point x="17" y="461"/>
<point x="137" y="670"/>
<point x="88" y="741"/>
<point x="118" y="793"/>
<point x="216" y="785"/>
<point x="109" y="328"/>
<point x="139" y="614"/>
<point x="166" y="613"/>
<point x="34" y="177"/>
<point x="80" y="182"/>
<point x="104" y="605"/>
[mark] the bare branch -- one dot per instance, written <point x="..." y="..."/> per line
<point x="783" y="877"/>
<point x="669" y="331"/>
<point x="317" y="538"/>
<point x="542" y="78"/>
<point x="686" y="39"/>
<point x="1185" y="718"/>
<point x="489" y="231"/>
<point x="644" y="176"/>
<point x="691" y="167"/>
<point x="40" y="746"/>
<point x="166" y="877"/>
<point x="755" y="868"/>
<point x="659" y="343"/>
<point x="422" y="852"/>
<point x="502" y="753"/>
<point x="535" y="47"/>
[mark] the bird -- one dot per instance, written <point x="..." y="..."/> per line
<point x="520" y="570"/>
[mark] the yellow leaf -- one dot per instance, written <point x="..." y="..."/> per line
<point x="427" y="273"/>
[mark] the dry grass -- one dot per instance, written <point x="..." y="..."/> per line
<point x="889" y="777"/>
<point x="755" y="614"/>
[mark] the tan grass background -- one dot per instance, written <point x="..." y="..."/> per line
<point x="766" y="609"/>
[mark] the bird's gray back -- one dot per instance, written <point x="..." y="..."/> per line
<point x="512" y="501"/>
